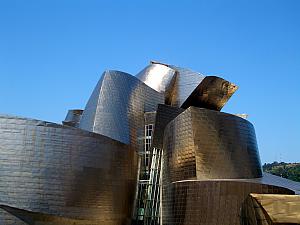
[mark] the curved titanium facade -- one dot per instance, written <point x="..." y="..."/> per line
<point x="207" y="144"/>
<point x="126" y="155"/>
<point x="210" y="202"/>
<point x="63" y="171"/>
<point x="183" y="84"/>
<point x="212" y="93"/>
<point x="157" y="76"/>
<point x="117" y="105"/>
<point x="164" y="115"/>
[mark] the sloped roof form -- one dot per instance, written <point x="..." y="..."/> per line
<point x="212" y="93"/>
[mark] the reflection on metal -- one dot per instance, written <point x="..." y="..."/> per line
<point x="271" y="209"/>
<point x="182" y="85"/>
<point x="164" y="115"/>
<point x="63" y="171"/>
<point x="147" y="150"/>
<point x="207" y="144"/>
<point x="270" y="179"/>
<point x="117" y="105"/>
<point x="73" y="118"/>
<point x="157" y="76"/>
<point x="212" y="202"/>
<point x="212" y="93"/>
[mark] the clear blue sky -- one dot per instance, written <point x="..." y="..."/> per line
<point x="52" y="54"/>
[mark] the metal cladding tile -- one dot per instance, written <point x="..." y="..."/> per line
<point x="212" y="93"/>
<point x="73" y="117"/>
<point x="157" y="76"/>
<point x="117" y="105"/>
<point x="8" y="219"/>
<point x="30" y="217"/>
<point x="164" y="114"/>
<point x="207" y="144"/>
<point x="182" y="85"/>
<point x="65" y="171"/>
<point x="271" y="209"/>
<point x="179" y="158"/>
<point x="271" y="179"/>
<point x="209" y="202"/>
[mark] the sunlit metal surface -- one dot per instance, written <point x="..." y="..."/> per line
<point x="269" y="209"/>
<point x="212" y="93"/>
<point x="197" y="166"/>
<point x="164" y="115"/>
<point x="270" y="179"/>
<point x="201" y="144"/>
<point x="117" y="105"/>
<point x="183" y="84"/>
<point x="209" y="202"/>
<point x="210" y="165"/>
<point x="157" y="76"/>
<point x="64" y="171"/>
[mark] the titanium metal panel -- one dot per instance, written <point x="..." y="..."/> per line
<point x="157" y="76"/>
<point x="212" y="93"/>
<point x="63" y="171"/>
<point x="34" y="218"/>
<point x="117" y="105"/>
<point x="207" y="144"/>
<point x="164" y="115"/>
<point x="270" y="209"/>
<point x="182" y="85"/>
<point x="271" y="179"/>
<point x="7" y="218"/>
<point x="73" y="117"/>
<point x="211" y="202"/>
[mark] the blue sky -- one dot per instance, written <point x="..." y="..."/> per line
<point x="52" y="54"/>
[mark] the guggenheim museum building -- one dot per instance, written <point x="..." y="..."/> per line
<point x="148" y="149"/>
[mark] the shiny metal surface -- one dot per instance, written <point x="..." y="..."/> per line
<point x="210" y="202"/>
<point x="212" y="93"/>
<point x="63" y="171"/>
<point x="200" y="164"/>
<point x="157" y="76"/>
<point x="269" y="209"/>
<point x="183" y="87"/>
<point x="73" y="117"/>
<point x="201" y="144"/>
<point x="183" y="84"/>
<point x="271" y="179"/>
<point x="117" y="105"/>
<point x="164" y="115"/>
<point x="34" y="218"/>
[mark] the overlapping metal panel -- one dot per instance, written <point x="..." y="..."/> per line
<point x="157" y="76"/>
<point x="271" y="209"/>
<point x="116" y="107"/>
<point x="210" y="202"/>
<point x="63" y="171"/>
<point x="182" y="86"/>
<point x="86" y="172"/>
<point x="212" y="93"/>
<point x="164" y="115"/>
<point x="201" y="144"/>
<point x="73" y="117"/>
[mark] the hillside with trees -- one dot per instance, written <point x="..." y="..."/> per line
<point x="286" y="170"/>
